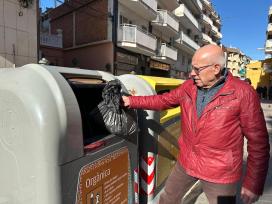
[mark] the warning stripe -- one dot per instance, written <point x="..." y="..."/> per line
<point x="147" y="175"/>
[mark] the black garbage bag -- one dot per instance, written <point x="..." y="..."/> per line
<point x="110" y="114"/>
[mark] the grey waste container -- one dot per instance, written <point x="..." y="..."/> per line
<point x="49" y="151"/>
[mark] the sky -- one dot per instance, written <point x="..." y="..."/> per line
<point x="244" y="24"/>
<point x="49" y="3"/>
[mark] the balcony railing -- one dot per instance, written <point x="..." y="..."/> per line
<point x="269" y="28"/>
<point x="268" y="46"/>
<point x="51" y="40"/>
<point x="219" y="35"/>
<point x="183" y="11"/>
<point x="167" y="52"/>
<point x="206" y="38"/>
<point x="199" y="4"/>
<point x="170" y="5"/>
<point x="185" y="39"/>
<point x="208" y="3"/>
<point x="134" y="36"/>
<point x="215" y="29"/>
<point x="207" y="19"/>
<point x="165" y="18"/>
<point x="145" y="8"/>
<point x="270" y="11"/>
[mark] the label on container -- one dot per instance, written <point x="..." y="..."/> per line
<point x="105" y="180"/>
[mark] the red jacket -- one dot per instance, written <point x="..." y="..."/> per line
<point x="211" y="146"/>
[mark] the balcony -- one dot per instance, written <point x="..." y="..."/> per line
<point x="269" y="28"/>
<point x="268" y="46"/>
<point x="218" y="21"/>
<point x="206" y="20"/>
<point x="214" y="30"/>
<point x="187" y="18"/>
<point x="166" y="54"/>
<point x="169" y="5"/>
<point x="186" y="43"/>
<point x="270" y="11"/>
<point x="215" y="15"/>
<point x="206" y="39"/>
<point x="167" y="23"/>
<point x="208" y="4"/>
<point x="137" y="40"/>
<point x="219" y="35"/>
<point x="145" y="8"/>
<point x="196" y="5"/>
<point x="51" y="40"/>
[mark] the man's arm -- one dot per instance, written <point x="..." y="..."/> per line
<point x="155" y="102"/>
<point x="254" y="128"/>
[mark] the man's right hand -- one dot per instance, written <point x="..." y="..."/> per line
<point x="126" y="102"/>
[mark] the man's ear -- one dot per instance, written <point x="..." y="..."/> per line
<point x="217" y="69"/>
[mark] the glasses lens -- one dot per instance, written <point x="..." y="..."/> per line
<point x="196" y="70"/>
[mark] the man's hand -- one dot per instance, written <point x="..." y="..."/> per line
<point x="248" y="197"/>
<point x="126" y="102"/>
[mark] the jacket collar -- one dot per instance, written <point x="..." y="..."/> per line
<point x="228" y="88"/>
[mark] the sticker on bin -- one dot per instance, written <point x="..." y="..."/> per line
<point x="105" y="180"/>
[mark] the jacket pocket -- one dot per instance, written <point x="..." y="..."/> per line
<point x="217" y="163"/>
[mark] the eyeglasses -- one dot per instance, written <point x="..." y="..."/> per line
<point x="197" y="70"/>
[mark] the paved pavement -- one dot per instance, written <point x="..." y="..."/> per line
<point x="266" y="198"/>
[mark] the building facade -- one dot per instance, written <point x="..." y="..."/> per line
<point x="236" y="61"/>
<point x="151" y="37"/>
<point x="268" y="43"/>
<point x="18" y="33"/>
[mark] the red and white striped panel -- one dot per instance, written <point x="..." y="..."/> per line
<point x="136" y="185"/>
<point x="147" y="173"/>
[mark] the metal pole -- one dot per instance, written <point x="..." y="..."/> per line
<point x="114" y="34"/>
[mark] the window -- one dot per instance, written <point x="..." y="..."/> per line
<point x="189" y="32"/>
<point x="124" y="20"/>
<point x="183" y="60"/>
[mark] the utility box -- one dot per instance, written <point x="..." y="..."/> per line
<point x="159" y="132"/>
<point x="50" y="152"/>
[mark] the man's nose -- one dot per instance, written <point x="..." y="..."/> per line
<point x="192" y="73"/>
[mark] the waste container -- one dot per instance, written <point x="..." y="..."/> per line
<point x="159" y="132"/>
<point x="49" y="151"/>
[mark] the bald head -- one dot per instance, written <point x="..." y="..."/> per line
<point x="211" y="54"/>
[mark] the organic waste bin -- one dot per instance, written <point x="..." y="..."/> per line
<point x="50" y="152"/>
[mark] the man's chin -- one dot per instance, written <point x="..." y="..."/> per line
<point x="198" y="83"/>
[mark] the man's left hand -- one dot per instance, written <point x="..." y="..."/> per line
<point x="248" y="197"/>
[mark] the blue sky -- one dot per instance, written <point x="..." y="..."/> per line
<point x="244" y="23"/>
<point x="49" y="3"/>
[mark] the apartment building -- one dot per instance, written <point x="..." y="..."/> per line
<point x="151" y="37"/>
<point x="236" y="61"/>
<point x="148" y="34"/>
<point x="267" y="64"/>
<point x="268" y="43"/>
<point x="199" y="25"/>
<point x="18" y="33"/>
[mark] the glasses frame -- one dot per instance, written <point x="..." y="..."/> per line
<point x="197" y="70"/>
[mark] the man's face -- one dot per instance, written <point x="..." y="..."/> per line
<point x="204" y="73"/>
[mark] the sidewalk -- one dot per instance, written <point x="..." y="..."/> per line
<point x="266" y="198"/>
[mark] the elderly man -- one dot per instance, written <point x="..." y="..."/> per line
<point x="218" y="110"/>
